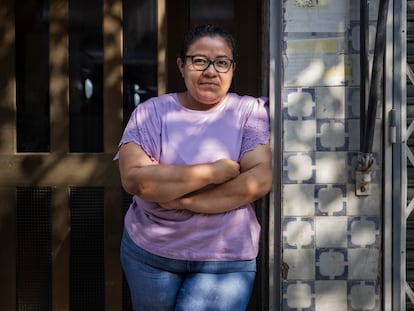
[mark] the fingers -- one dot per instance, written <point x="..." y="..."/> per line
<point x="225" y="169"/>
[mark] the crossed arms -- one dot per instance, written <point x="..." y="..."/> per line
<point x="208" y="188"/>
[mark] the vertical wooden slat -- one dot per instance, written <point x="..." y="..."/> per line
<point x="7" y="79"/>
<point x="59" y="140"/>
<point x="112" y="69"/>
<point x="162" y="48"/>
<point x="59" y="80"/>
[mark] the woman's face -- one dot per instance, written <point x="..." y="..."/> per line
<point x="206" y="89"/>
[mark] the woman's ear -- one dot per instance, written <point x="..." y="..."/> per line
<point x="180" y="65"/>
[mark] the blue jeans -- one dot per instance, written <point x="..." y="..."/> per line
<point x="162" y="284"/>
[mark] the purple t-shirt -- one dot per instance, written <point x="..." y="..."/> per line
<point x="172" y="134"/>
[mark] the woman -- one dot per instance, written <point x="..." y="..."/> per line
<point x="194" y="163"/>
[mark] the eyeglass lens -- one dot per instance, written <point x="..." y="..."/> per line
<point x="202" y="63"/>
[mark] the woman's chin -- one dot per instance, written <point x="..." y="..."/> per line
<point x="210" y="99"/>
<point x="204" y="100"/>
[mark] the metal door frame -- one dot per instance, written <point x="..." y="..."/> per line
<point x="396" y="210"/>
<point x="275" y="95"/>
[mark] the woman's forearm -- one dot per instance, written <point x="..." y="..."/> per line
<point x="161" y="183"/>
<point x="254" y="182"/>
<point x="244" y="189"/>
<point x="155" y="182"/>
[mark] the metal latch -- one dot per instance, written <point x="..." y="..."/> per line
<point x="363" y="175"/>
<point x="363" y="183"/>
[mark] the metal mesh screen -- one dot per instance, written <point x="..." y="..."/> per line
<point x="87" y="281"/>
<point x="33" y="254"/>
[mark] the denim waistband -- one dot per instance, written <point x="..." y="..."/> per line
<point x="130" y="248"/>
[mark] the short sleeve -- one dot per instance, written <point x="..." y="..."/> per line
<point x="256" y="130"/>
<point x="144" y="128"/>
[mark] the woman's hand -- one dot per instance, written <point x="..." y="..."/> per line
<point x="173" y="204"/>
<point x="224" y="170"/>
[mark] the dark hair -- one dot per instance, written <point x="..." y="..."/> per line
<point x="202" y="31"/>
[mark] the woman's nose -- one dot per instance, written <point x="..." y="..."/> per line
<point x="210" y="70"/>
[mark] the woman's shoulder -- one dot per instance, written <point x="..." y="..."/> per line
<point x="154" y="107"/>
<point x="159" y="104"/>
<point x="161" y="100"/>
<point x="248" y="100"/>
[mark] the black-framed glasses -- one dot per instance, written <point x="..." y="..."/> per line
<point x="201" y="63"/>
